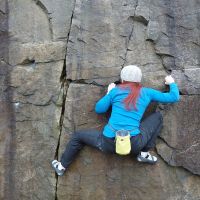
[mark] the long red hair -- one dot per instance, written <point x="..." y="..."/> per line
<point x="131" y="99"/>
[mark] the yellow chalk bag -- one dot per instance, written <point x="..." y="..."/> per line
<point x="122" y="142"/>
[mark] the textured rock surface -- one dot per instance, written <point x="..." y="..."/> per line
<point x="188" y="80"/>
<point x="108" y="40"/>
<point x="79" y="106"/>
<point x="97" y="175"/>
<point x="33" y="46"/>
<point x="181" y="134"/>
<point x="55" y="59"/>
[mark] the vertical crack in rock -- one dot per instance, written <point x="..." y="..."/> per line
<point x="136" y="4"/>
<point x="43" y="7"/>
<point x="64" y="86"/>
<point x="171" y="52"/>
<point x="130" y="35"/>
<point x="160" y="55"/>
<point x="129" y="38"/>
<point x="171" y="23"/>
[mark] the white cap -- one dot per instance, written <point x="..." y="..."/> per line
<point x="131" y="73"/>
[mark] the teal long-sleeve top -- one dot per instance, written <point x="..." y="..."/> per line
<point x="121" y="118"/>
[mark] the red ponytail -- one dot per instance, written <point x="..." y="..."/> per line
<point x="131" y="99"/>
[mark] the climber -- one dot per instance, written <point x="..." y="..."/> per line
<point x="129" y="101"/>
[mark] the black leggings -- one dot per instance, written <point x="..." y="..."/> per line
<point x="149" y="130"/>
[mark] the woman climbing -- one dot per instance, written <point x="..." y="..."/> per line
<point x="129" y="101"/>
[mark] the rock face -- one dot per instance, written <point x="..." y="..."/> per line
<point x="56" y="59"/>
<point x="33" y="50"/>
<point x="181" y="134"/>
<point x="97" y="175"/>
